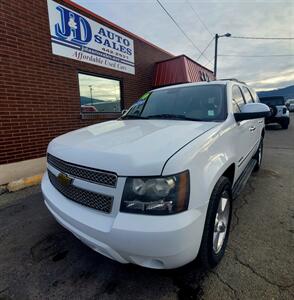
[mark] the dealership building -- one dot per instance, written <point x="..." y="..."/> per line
<point x="64" y="67"/>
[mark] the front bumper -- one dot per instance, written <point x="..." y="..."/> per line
<point x="279" y="120"/>
<point x="160" y="242"/>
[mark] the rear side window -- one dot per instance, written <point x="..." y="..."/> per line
<point x="238" y="100"/>
<point x="247" y="95"/>
<point x="254" y="95"/>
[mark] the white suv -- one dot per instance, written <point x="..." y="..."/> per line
<point x="155" y="187"/>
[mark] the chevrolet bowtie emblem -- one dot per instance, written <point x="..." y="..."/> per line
<point x="64" y="179"/>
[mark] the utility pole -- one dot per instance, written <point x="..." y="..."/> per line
<point x="215" y="54"/>
<point x="91" y="93"/>
<point x="217" y="36"/>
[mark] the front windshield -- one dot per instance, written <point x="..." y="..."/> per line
<point x="198" y="102"/>
<point x="272" y="100"/>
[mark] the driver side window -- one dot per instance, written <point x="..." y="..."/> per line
<point x="238" y="99"/>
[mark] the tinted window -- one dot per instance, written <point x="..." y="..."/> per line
<point x="202" y="102"/>
<point x="238" y="100"/>
<point x="247" y="95"/>
<point x="98" y="94"/>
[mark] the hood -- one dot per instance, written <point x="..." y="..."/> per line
<point x="127" y="147"/>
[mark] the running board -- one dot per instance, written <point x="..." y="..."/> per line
<point x="242" y="180"/>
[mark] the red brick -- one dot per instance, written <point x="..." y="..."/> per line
<point x="39" y="92"/>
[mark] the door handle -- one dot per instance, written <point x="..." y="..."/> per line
<point x="252" y="128"/>
<point x="260" y="122"/>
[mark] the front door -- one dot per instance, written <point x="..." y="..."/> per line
<point x="244" y="133"/>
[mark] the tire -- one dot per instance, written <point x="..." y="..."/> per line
<point x="258" y="156"/>
<point x="210" y="253"/>
<point x="285" y="125"/>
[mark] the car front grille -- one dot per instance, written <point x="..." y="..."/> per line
<point x="94" y="200"/>
<point x="85" y="173"/>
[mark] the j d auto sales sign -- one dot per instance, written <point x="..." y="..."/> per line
<point x="77" y="37"/>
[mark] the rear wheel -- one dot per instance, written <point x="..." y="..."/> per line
<point x="217" y="224"/>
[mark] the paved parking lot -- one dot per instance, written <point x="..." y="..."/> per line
<point x="39" y="259"/>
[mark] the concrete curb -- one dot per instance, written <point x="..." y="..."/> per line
<point x="21" y="169"/>
<point x="24" y="182"/>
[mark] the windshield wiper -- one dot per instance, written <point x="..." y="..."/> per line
<point x="161" y="116"/>
<point x="172" y="117"/>
<point x="133" y="117"/>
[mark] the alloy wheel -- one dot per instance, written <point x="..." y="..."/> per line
<point x="221" y="222"/>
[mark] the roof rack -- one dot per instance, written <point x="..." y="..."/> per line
<point x="233" y="79"/>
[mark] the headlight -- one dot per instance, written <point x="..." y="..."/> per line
<point x="156" y="195"/>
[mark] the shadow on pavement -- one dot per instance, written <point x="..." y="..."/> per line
<point x="273" y="127"/>
<point x="40" y="257"/>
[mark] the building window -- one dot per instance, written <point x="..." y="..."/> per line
<point x="99" y="94"/>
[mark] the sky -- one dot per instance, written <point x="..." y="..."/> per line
<point x="239" y="17"/>
<point x="99" y="88"/>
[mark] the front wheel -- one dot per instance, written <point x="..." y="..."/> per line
<point x="217" y="224"/>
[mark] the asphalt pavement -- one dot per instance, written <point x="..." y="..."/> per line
<point x="41" y="260"/>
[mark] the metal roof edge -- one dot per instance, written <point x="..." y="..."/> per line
<point x="184" y="55"/>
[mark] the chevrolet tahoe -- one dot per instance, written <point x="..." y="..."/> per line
<point x="156" y="186"/>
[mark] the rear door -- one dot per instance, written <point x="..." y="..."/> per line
<point x="243" y="132"/>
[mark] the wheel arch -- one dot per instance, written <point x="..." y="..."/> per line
<point x="230" y="173"/>
<point x="227" y="170"/>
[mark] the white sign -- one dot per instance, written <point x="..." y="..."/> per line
<point x="77" y="37"/>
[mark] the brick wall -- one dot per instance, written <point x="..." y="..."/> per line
<point x="39" y="92"/>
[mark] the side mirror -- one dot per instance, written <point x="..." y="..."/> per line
<point x="253" y="111"/>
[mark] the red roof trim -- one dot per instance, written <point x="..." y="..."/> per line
<point x="183" y="55"/>
<point x="179" y="69"/>
<point x="92" y="14"/>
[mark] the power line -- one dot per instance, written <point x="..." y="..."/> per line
<point x="270" y="55"/>
<point x="210" y="62"/>
<point x="180" y="28"/>
<point x="209" y="43"/>
<point x="199" y="18"/>
<point x="204" y="25"/>
<point x="261" y="38"/>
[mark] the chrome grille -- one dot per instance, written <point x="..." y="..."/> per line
<point x="85" y="173"/>
<point x="94" y="200"/>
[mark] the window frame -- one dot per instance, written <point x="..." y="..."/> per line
<point x="254" y="95"/>
<point x="243" y="88"/>
<point x="234" y="101"/>
<point x="120" y="80"/>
